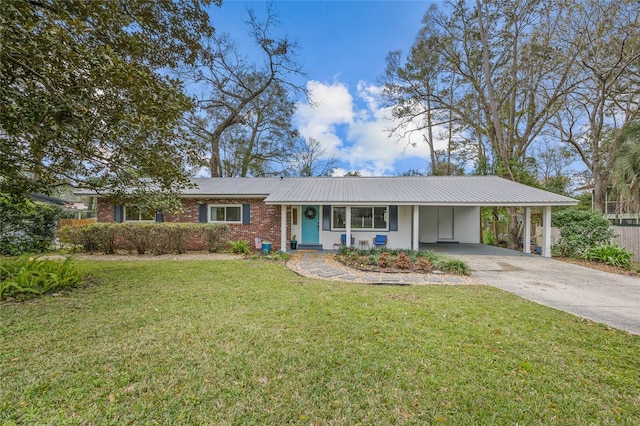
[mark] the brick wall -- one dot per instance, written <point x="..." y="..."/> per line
<point x="265" y="219"/>
<point x="104" y="211"/>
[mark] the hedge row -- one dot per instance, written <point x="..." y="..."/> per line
<point x="156" y="238"/>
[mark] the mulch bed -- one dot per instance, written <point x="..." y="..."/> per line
<point x="600" y="266"/>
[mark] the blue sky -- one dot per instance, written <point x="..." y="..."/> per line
<point x="342" y="47"/>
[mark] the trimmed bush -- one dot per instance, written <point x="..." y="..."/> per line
<point x="26" y="227"/>
<point x="580" y="230"/>
<point x="157" y="238"/>
<point x="24" y="277"/>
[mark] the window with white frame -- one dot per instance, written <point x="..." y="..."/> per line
<point x="362" y="217"/>
<point x="225" y="213"/>
<point x="136" y="214"/>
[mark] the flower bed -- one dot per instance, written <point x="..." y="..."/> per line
<point x="385" y="260"/>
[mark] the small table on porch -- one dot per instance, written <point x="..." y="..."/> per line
<point x="363" y="244"/>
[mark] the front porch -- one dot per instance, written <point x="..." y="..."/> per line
<point x="406" y="226"/>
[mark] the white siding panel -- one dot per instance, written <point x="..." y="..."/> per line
<point x="428" y="224"/>
<point x="467" y="224"/>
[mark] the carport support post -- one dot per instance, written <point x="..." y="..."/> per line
<point x="347" y="238"/>
<point x="416" y="228"/>
<point x="526" y="239"/>
<point x="546" y="232"/>
<point x="283" y="228"/>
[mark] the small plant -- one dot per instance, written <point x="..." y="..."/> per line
<point x="24" y="277"/>
<point x="423" y="264"/>
<point x="293" y="238"/>
<point x="611" y="255"/>
<point x="240" y="246"/>
<point x="384" y="260"/>
<point x="402" y="261"/>
<point x="454" y="266"/>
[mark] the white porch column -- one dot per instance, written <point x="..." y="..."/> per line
<point x="526" y="238"/>
<point x="416" y="228"/>
<point x="546" y="232"/>
<point x="347" y="238"/>
<point x="283" y="228"/>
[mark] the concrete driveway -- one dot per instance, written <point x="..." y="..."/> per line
<point x="603" y="297"/>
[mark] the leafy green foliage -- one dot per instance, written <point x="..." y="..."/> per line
<point x="489" y="237"/>
<point x="84" y="96"/>
<point x="25" y="226"/>
<point x="158" y="238"/>
<point x="580" y="230"/>
<point x="611" y="255"/>
<point x="239" y="246"/>
<point x="25" y="277"/>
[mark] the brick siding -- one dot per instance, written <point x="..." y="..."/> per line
<point x="265" y="219"/>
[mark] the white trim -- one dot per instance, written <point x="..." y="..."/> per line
<point x="416" y="229"/>
<point x="283" y="228"/>
<point x="233" y="222"/>
<point x="546" y="232"/>
<point x="526" y="237"/>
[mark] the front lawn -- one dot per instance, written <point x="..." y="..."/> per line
<point x="249" y="342"/>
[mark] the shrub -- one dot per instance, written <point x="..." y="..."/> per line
<point x="612" y="255"/>
<point x="23" y="277"/>
<point x="384" y="260"/>
<point x="26" y="227"/>
<point x="454" y="266"/>
<point x="489" y="238"/>
<point x="402" y="261"/>
<point x="213" y="234"/>
<point x="138" y="236"/>
<point x="580" y="230"/>
<point x="240" y="246"/>
<point x="159" y="238"/>
<point x="423" y="264"/>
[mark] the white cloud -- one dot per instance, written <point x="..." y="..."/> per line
<point x="355" y="130"/>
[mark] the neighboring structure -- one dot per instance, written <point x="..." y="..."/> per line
<point x="408" y="210"/>
<point x="619" y="209"/>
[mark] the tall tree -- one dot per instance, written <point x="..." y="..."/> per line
<point x="231" y="84"/>
<point x="493" y="74"/>
<point x="626" y="167"/>
<point x="83" y="96"/>
<point x="309" y="159"/>
<point x="263" y="142"/>
<point x="606" y="95"/>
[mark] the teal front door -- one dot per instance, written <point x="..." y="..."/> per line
<point x="310" y="225"/>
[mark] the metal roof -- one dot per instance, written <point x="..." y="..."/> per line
<point x="410" y="190"/>
<point x="400" y="190"/>
<point x="245" y="187"/>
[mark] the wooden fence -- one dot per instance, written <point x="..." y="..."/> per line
<point x="629" y="237"/>
<point x="624" y="236"/>
<point x="75" y="222"/>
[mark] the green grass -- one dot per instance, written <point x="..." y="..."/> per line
<point x="249" y="342"/>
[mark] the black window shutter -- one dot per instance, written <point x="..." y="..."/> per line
<point x="117" y="214"/>
<point x="159" y="216"/>
<point x="393" y="218"/>
<point x="203" y="213"/>
<point x="246" y="214"/>
<point x="326" y="218"/>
